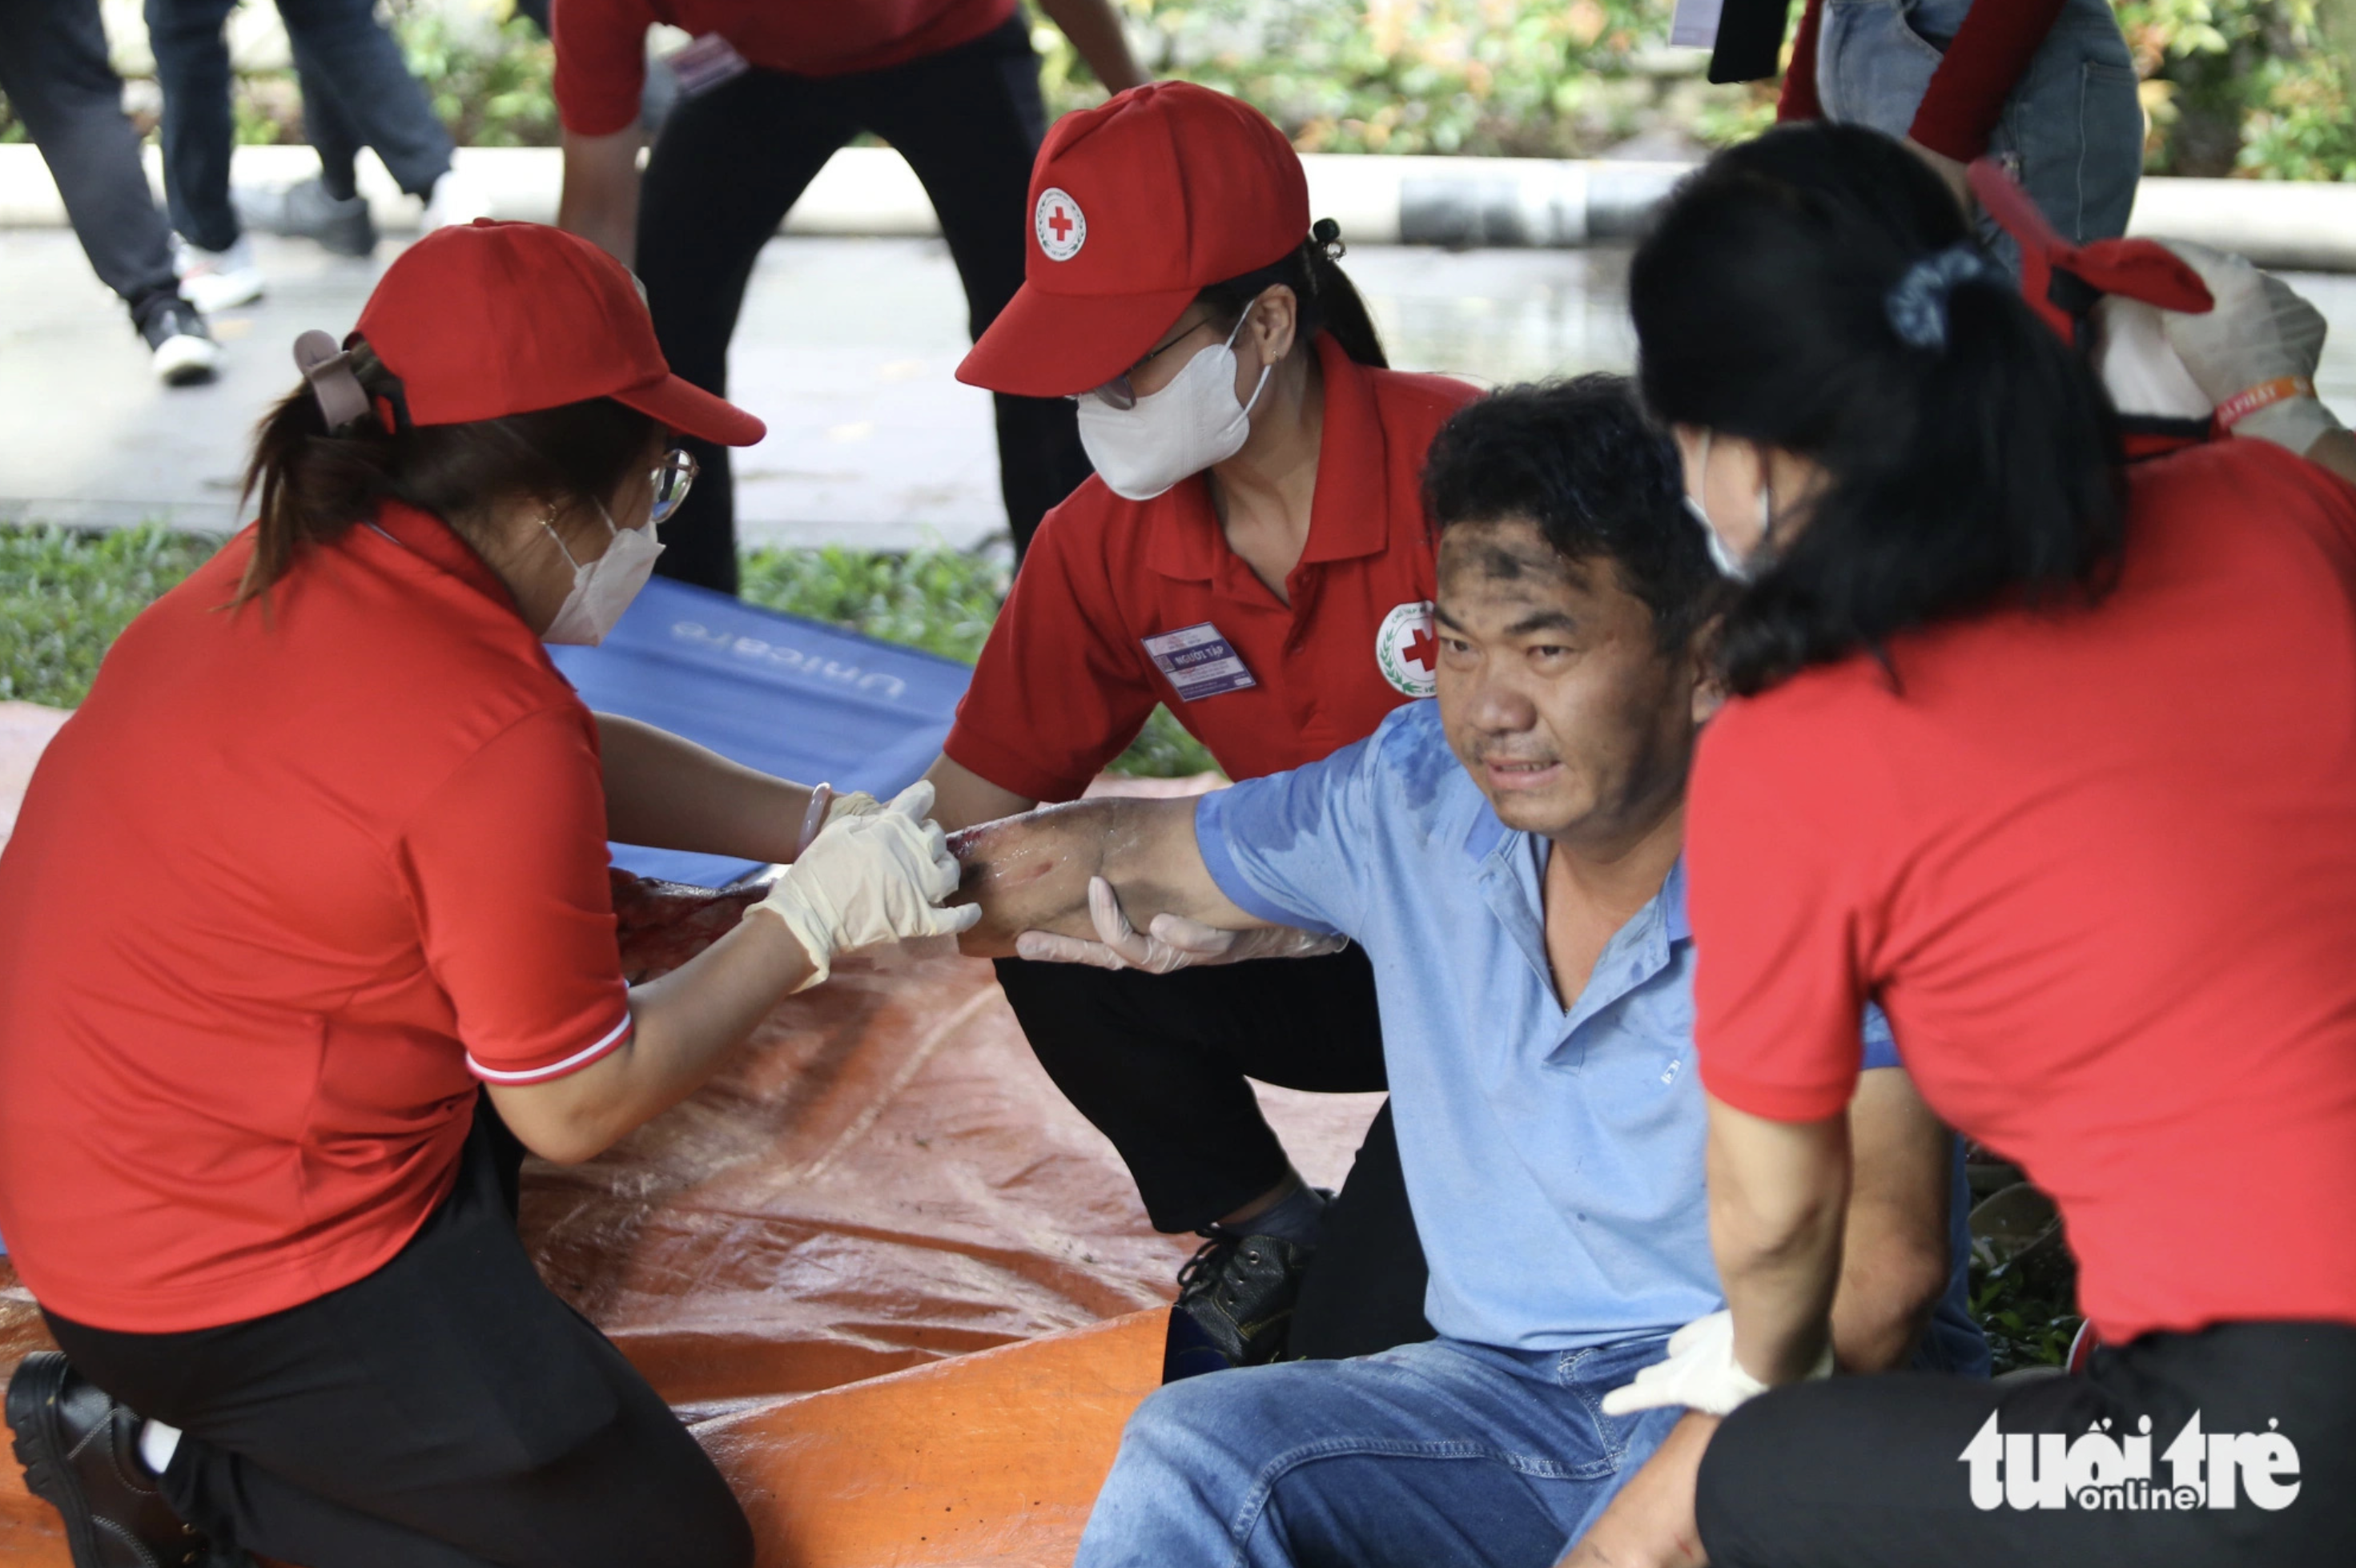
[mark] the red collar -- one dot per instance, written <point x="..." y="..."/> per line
<point x="1349" y="516"/>
<point x="438" y="545"/>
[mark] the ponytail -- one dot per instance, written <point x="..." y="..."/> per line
<point x="1328" y="301"/>
<point x="313" y="483"/>
<point x="1814" y="292"/>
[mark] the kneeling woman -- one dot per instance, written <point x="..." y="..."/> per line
<point x="2053" y="762"/>
<point x="307" y="908"/>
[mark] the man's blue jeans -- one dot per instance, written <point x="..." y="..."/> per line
<point x="1438" y="1454"/>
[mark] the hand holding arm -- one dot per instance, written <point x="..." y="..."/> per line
<point x="869" y="877"/>
<point x="1030" y="874"/>
<point x="1169" y="942"/>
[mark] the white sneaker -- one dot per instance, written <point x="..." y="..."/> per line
<point x="458" y="197"/>
<point x="217" y="280"/>
<point x="185" y="354"/>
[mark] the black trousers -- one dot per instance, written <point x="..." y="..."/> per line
<point x="53" y="68"/>
<point x="447" y="1412"/>
<point x="732" y="160"/>
<point x="1881" y="1472"/>
<point x="356" y="92"/>
<point x="1158" y="1063"/>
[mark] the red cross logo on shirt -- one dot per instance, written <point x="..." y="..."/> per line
<point x="1422" y="647"/>
<point x="1060" y="223"/>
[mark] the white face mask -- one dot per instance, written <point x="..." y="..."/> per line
<point x="602" y="588"/>
<point x="1182" y="429"/>
<point x="1742" y="568"/>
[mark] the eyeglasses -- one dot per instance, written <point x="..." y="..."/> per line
<point x="1119" y="393"/>
<point x="673" y="477"/>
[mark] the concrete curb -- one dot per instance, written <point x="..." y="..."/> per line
<point x="1467" y="203"/>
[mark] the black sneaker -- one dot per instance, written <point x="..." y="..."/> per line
<point x="185" y="354"/>
<point x="81" y="1453"/>
<point x="1235" y="1303"/>
<point x="305" y="210"/>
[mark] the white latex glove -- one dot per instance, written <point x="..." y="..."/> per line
<point x="827" y="806"/>
<point x="1700" y="1373"/>
<point x="1169" y="941"/>
<point x="870" y="877"/>
<point x="2261" y="343"/>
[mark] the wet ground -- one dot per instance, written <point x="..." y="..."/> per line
<point x="846" y="348"/>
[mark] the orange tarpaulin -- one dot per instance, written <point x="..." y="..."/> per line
<point x="885" y="1177"/>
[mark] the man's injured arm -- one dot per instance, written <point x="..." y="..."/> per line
<point x="1031" y="873"/>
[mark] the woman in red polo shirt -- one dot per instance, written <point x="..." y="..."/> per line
<point x="2054" y="761"/>
<point x="1252" y="552"/>
<point x="307" y="908"/>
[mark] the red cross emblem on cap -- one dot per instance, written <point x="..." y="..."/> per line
<point x="1061" y="227"/>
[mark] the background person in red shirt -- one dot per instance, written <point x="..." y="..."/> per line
<point x="1253" y="552"/>
<point x="768" y="91"/>
<point x="2051" y="759"/>
<point x="307" y="906"/>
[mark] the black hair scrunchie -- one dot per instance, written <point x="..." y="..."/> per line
<point x="1325" y="236"/>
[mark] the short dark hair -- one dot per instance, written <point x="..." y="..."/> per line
<point x="1579" y="459"/>
<point x="1962" y="473"/>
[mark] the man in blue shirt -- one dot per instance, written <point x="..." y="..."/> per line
<point x="1508" y="856"/>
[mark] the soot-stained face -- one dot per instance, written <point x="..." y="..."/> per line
<point x="1554" y="690"/>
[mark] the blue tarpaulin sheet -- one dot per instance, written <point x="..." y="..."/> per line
<point x="788" y="696"/>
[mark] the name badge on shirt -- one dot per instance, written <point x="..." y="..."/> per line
<point x="706" y="63"/>
<point x="1199" y="661"/>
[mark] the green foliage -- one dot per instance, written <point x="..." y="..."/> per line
<point x="1507" y="77"/>
<point x="2027" y="1324"/>
<point x="2305" y="125"/>
<point x="492" y="91"/>
<point x="64" y="595"/>
<point x="940" y="600"/>
<point x="2257" y="88"/>
<point x="2253" y="87"/>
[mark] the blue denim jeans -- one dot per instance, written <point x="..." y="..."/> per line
<point x="1441" y="1453"/>
<point x="2072" y="131"/>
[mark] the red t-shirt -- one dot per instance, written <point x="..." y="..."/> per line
<point x="1989" y="55"/>
<point x="2099" y="867"/>
<point x="1121" y="604"/>
<point x="601" y="44"/>
<point x="283" y="889"/>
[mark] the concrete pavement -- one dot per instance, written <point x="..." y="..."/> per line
<point x="846" y="348"/>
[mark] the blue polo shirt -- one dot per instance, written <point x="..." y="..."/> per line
<point x="1553" y="1156"/>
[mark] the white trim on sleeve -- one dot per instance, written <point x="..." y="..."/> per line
<point x="572" y="1063"/>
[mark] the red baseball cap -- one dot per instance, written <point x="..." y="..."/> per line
<point x="488" y="320"/>
<point x="1136" y="207"/>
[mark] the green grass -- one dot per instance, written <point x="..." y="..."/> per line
<point x="65" y="595"/>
